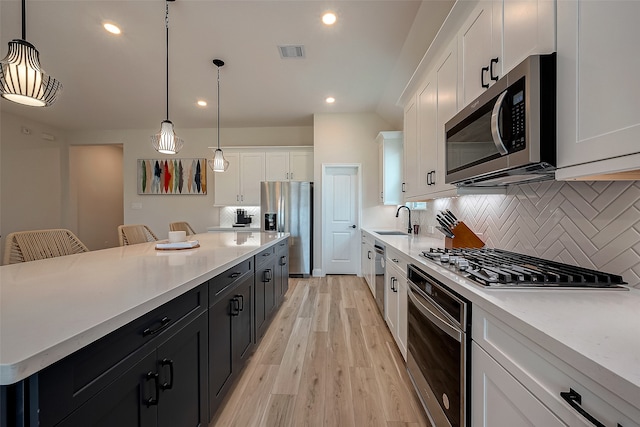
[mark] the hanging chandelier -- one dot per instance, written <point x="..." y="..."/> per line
<point x="166" y="141"/>
<point x="22" y="79"/>
<point x="218" y="163"/>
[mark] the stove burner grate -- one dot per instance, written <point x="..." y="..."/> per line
<point x="504" y="269"/>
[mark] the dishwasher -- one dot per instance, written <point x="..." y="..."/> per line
<point x="379" y="269"/>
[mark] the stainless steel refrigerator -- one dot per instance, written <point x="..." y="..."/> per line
<point x="288" y="207"/>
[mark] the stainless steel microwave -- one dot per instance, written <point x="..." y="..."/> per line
<point x="508" y="134"/>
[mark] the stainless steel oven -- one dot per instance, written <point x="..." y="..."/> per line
<point x="438" y="354"/>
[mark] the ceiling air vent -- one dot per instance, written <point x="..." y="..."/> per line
<point x="291" y="51"/>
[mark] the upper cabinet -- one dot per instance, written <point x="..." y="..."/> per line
<point x="289" y="165"/>
<point x="239" y="185"/>
<point x="500" y="34"/>
<point x="477" y="44"/>
<point x="390" y="167"/>
<point x="598" y="107"/>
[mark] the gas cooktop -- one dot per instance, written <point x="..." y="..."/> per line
<point x="497" y="268"/>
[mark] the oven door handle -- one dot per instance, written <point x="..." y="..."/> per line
<point x="433" y="316"/>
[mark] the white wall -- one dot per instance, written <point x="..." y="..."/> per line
<point x="33" y="171"/>
<point x="157" y="211"/>
<point x="348" y="138"/>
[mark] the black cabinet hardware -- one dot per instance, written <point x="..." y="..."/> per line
<point x="403" y="189"/>
<point x="241" y="302"/>
<point x="267" y="275"/>
<point x="167" y="385"/>
<point x="164" y="322"/>
<point x="234" y="275"/>
<point x="368" y="254"/>
<point x="484" y="70"/>
<point x="493" y="61"/>
<point x="574" y="399"/>
<point x="234" y="306"/>
<point x="154" y="377"/>
<point x="283" y="260"/>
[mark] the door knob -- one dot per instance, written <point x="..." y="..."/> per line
<point x="353" y="226"/>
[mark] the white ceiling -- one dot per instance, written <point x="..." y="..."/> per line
<point x="118" y="82"/>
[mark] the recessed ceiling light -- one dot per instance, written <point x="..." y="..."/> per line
<point x="329" y="18"/>
<point x="202" y="103"/>
<point x="330" y="100"/>
<point x="112" y="28"/>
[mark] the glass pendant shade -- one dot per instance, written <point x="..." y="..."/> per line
<point x="218" y="163"/>
<point x="166" y="141"/>
<point x="22" y="80"/>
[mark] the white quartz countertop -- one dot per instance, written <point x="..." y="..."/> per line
<point x="54" y="307"/>
<point x="595" y="331"/>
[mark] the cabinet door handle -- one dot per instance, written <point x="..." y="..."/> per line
<point x="164" y="322"/>
<point x="153" y="400"/>
<point x="241" y="302"/>
<point x="283" y="260"/>
<point x="368" y="254"/>
<point x="433" y="177"/>
<point x="574" y="399"/>
<point x="403" y="188"/>
<point x="286" y="175"/>
<point x="428" y="178"/>
<point x="242" y="197"/>
<point x="237" y="197"/>
<point x="169" y="363"/>
<point x="266" y="276"/>
<point x="234" y="307"/>
<point x="484" y="70"/>
<point x="493" y="61"/>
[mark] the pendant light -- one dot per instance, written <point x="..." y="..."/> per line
<point x="22" y="79"/>
<point x="218" y="163"/>
<point x="166" y="141"/>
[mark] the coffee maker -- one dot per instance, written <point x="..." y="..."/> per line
<point x="242" y="219"/>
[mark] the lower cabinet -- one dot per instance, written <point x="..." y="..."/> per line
<point x="150" y="372"/>
<point x="517" y="382"/>
<point x="282" y="271"/>
<point x="230" y="336"/>
<point x="396" y="289"/>
<point x="165" y="387"/>
<point x="500" y="400"/>
<point x="368" y="262"/>
<point x="265" y="280"/>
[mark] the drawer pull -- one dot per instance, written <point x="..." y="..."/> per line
<point x="153" y="400"/>
<point x="234" y="275"/>
<point x="574" y="399"/>
<point x="266" y="254"/>
<point x="169" y="363"/>
<point x="164" y="322"/>
<point x="395" y="260"/>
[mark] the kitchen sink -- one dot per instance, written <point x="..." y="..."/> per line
<point x="391" y="233"/>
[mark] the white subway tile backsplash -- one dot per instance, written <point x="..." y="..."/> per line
<point x="591" y="224"/>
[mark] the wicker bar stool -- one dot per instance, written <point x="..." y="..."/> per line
<point x="181" y="226"/>
<point x="134" y="234"/>
<point x="23" y="246"/>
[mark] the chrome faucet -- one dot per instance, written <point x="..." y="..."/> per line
<point x="409" y="210"/>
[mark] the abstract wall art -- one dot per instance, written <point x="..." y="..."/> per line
<point x="172" y="176"/>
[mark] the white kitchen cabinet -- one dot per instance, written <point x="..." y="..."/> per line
<point x="368" y="262"/>
<point x="289" y="165"/>
<point x="598" y="107"/>
<point x="498" y="35"/>
<point x="396" y="298"/>
<point x="239" y="185"/>
<point x="411" y="159"/>
<point x="427" y="134"/>
<point x="499" y="400"/>
<point x="478" y="48"/>
<point x="390" y="167"/>
<point x="516" y="372"/>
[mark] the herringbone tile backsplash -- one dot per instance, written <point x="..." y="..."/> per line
<point x="591" y="224"/>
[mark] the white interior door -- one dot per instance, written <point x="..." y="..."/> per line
<point x="341" y="207"/>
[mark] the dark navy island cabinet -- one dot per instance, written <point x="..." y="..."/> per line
<point x="171" y="367"/>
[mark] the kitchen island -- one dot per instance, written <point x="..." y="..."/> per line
<point x="586" y="339"/>
<point x="54" y="308"/>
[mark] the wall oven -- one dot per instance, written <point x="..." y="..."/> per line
<point x="438" y="349"/>
<point x="508" y="134"/>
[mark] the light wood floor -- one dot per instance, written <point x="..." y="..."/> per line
<point x="327" y="359"/>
